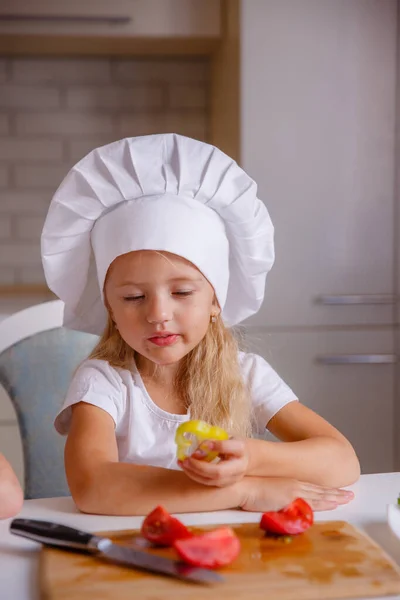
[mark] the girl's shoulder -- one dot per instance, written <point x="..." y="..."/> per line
<point x="94" y="369"/>
<point x="253" y="365"/>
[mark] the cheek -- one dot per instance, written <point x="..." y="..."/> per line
<point x="124" y="314"/>
<point x="196" y="316"/>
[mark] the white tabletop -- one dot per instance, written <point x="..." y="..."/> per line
<point x="19" y="557"/>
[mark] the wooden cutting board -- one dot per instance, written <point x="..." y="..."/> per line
<point x="330" y="560"/>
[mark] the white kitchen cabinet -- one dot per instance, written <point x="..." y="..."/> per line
<point x="318" y="136"/>
<point x="139" y="18"/>
<point x="358" y="399"/>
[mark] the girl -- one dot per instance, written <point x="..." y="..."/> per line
<point x="11" y="496"/>
<point x="159" y="244"/>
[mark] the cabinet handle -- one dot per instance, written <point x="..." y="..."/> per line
<point x="357" y="359"/>
<point x="346" y="299"/>
<point x="67" y="18"/>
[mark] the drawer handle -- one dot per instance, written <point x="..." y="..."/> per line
<point x="66" y="18"/>
<point x="333" y="299"/>
<point x="357" y="359"/>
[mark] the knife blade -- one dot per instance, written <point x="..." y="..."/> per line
<point x="54" y="534"/>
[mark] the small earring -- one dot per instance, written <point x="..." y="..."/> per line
<point x="213" y="319"/>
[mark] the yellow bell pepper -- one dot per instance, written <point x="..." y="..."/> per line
<point x="191" y="434"/>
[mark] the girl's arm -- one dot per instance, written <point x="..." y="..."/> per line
<point x="11" y="496"/>
<point x="102" y="485"/>
<point x="312" y="450"/>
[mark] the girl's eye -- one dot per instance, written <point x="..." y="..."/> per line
<point x="133" y="298"/>
<point x="183" y="293"/>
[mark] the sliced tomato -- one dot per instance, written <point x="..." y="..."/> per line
<point x="293" y="519"/>
<point x="160" y="528"/>
<point x="210" y="550"/>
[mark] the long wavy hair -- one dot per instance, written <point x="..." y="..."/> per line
<point x="208" y="379"/>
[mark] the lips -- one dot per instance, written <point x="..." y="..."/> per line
<point x="164" y="339"/>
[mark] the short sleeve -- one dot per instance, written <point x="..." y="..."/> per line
<point x="269" y="393"/>
<point x="96" y="383"/>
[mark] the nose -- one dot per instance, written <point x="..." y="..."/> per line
<point x="159" y="309"/>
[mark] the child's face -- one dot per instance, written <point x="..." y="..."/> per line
<point x="160" y="302"/>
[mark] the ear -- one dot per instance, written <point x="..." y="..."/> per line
<point x="110" y="312"/>
<point x="216" y="310"/>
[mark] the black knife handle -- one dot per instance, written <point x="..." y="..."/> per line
<point x="53" y="534"/>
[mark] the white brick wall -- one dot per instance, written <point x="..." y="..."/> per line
<point x="116" y="96"/>
<point x="29" y="228"/>
<point x="190" y="123"/>
<point x="14" y="254"/>
<point x="24" y="96"/>
<point x="7" y="275"/>
<point x="22" y="203"/>
<point x="169" y="71"/>
<point x="78" y="148"/>
<point x="28" y="149"/>
<point x="61" y="70"/>
<point x="187" y="96"/>
<point x="38" y="176"/>
<point x="5" y="228"/>
<point x="54" y="111"/>
<point x="3" y="176"/>
<point x="4" y="124"/>
<point x="3" y="70"/>
<point x="59" y="123"/>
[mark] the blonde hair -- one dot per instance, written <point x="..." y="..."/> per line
<point x="208" y="379"/>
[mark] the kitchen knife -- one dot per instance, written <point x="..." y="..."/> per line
<point x="54" y="534"/>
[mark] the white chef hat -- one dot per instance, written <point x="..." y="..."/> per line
<point x="161" y="192"/>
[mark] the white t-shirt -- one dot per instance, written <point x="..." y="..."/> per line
<point x="145" y="433"/>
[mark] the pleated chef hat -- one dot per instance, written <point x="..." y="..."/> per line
<point x="160" y="192"/>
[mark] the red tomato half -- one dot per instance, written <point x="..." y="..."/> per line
<point x="160" y="528"/>
<point x="210" y="550"/>
<point x="295" y="518"/>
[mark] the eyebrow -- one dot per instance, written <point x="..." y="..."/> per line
<point x="172" y="280"/>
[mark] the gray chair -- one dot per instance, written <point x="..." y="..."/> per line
<point x="37" y="360"/>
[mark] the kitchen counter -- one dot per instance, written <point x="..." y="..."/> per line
<point x="19" y="558"/>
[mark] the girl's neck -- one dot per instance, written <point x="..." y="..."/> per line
<point x="162" y="375"/>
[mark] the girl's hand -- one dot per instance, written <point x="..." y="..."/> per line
<point x="262" y="494"/>
<point x="231" y="468"/>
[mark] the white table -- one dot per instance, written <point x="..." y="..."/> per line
<point x="19" y="557"/>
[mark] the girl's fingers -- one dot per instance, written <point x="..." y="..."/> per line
<point x="323" y="505"/>
<point x="320" y="490"/>
<point x="217" y="471"/>
<point x="222" y="477"/>
<point x="210" y="482"/>
<point x="228" y="448"/>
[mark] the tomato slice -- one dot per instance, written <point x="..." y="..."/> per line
<point x="160" y="528"/>
<point x="210" y="550"/>
<point x="293" y="519"/>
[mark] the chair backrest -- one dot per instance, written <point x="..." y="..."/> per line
<point x="37" y="360"/>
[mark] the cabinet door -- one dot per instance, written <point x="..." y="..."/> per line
<point x="356" y="398"/>
<point x="318" y="136"/>
<point x="139" y="18"/>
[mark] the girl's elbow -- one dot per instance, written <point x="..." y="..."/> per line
<point x="11" y="500"/>
<point x="350" y="465"/>
<point x="356" y="468"/>
<point x="85" y="497"/>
